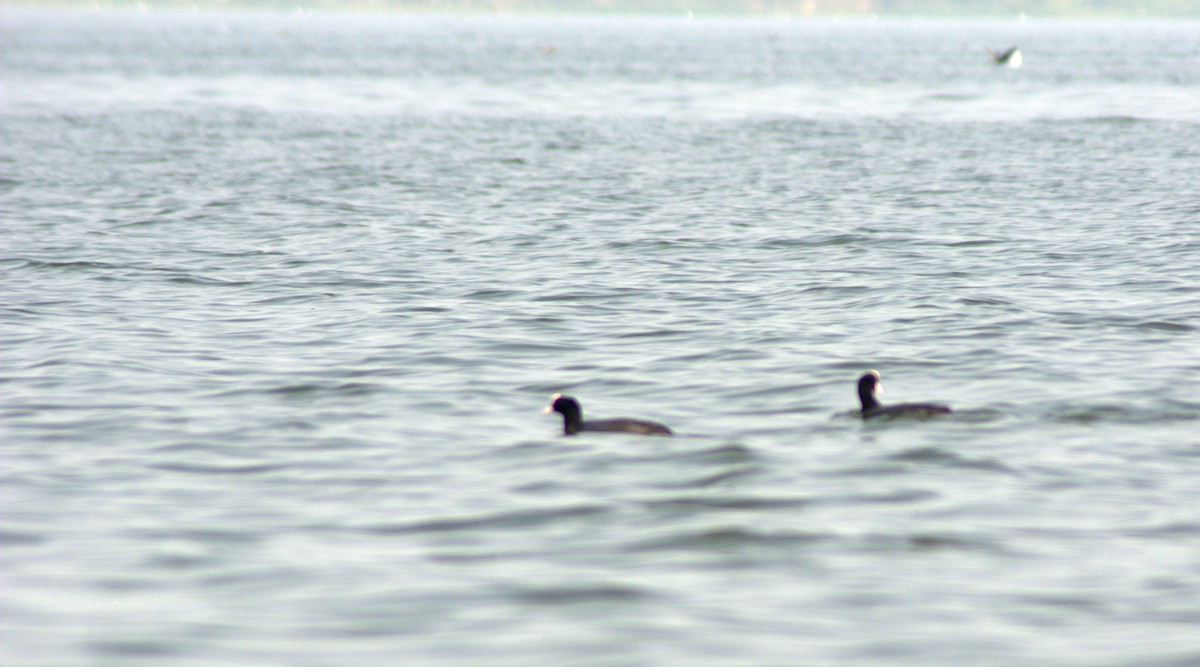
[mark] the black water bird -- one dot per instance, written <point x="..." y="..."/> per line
<point x="573" y="420"/>
<point x="869" y="383"/>
<point x="1010" y="57"/>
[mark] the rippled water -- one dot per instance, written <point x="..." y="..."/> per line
<point x="283" y="297"/>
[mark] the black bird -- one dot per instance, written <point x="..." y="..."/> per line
<point x="573" y="420"/>
<point x="869" y="383"/>
<point x="1010" y="57"/>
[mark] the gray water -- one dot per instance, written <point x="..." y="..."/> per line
<point x="283" y="297"/>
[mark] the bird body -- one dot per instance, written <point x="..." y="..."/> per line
<point x="573" y="421"/>
<point x="869" y="384"/>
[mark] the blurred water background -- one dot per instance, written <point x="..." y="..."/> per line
<point x="282" y="297"/>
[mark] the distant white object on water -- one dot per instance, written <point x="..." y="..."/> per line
<point x="1011" y="57"/>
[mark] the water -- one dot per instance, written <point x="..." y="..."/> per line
<point x="283" y="296"/>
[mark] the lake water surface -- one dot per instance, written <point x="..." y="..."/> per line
<point x="282" y="297"/>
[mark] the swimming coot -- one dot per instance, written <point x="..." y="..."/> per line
<point x="869" y="383"/>
<point x="573" y="420"/>
<point x="1011" y="57"/>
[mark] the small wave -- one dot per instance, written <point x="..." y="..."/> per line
<point x="312" y="388"/>
<point x="985" y="301"/>
<point x="937" y="541"/>
<point x="530" y="346"/>
<point x="1091" y="321"/>
<point x="197" y="447"/>
<point x="713" y="479"/>
<point x="976" y="243"/>
<point x="903" y="497"/>
<point x="567" y="594"/>
<point x="920" y="541"/>
<point x="731" y="457"/>
<point x="288" y="299"/>
<point x="1109" y="119"/>
<point x="583" y="296"/>
<point x="730" y="503"/>
<point x="1165" y="325"/>
<point x="195" y="469"/>
<point x="420" y="309"/>
<point x="951" y="97"/>
<point x="190" y="279"/>
<point x="1117" y="119"/>
<point x="723" y="539"/>
<point x="759" y="391"/>
<point x="942" y="457"/>
<point x="131" y="649"/>
<point x="726" y="354"/>
<point x="1109" y="413"/>
<point x="137" y="224"/>
<point x="836" y="240"/>
<point x="1059" y="602"/>
<point x="1169" y="530"/>
<point x="837" y="289"/>
<point x="11" y="538"/>
<point x="494" y="294"/>
<point x="721" y="454"/>
<point x="81" y="265"/>
<point x="658" y="333"/>
<point x="497" y="521"/>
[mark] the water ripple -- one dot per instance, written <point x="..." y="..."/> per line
<point x="942" y="457"/>
<point x="282" y="296"/>
<point x="579" y="593"/>
<point x="726" y="503"/>
<point x="1122" y="414"/>
<point x="497" y="521"/>
<point x="198" y="469"/>
<point x="725" y="539"/>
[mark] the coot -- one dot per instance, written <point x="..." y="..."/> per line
<point x="1010" y="57"/>
<point x="573" y="420"/>
<point x="869" y="383"/>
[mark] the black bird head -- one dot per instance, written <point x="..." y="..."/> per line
<point x="569" y="408"/>
<point x="868" y="384"/>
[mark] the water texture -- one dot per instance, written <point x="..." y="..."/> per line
<point x="282" y="297"/>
